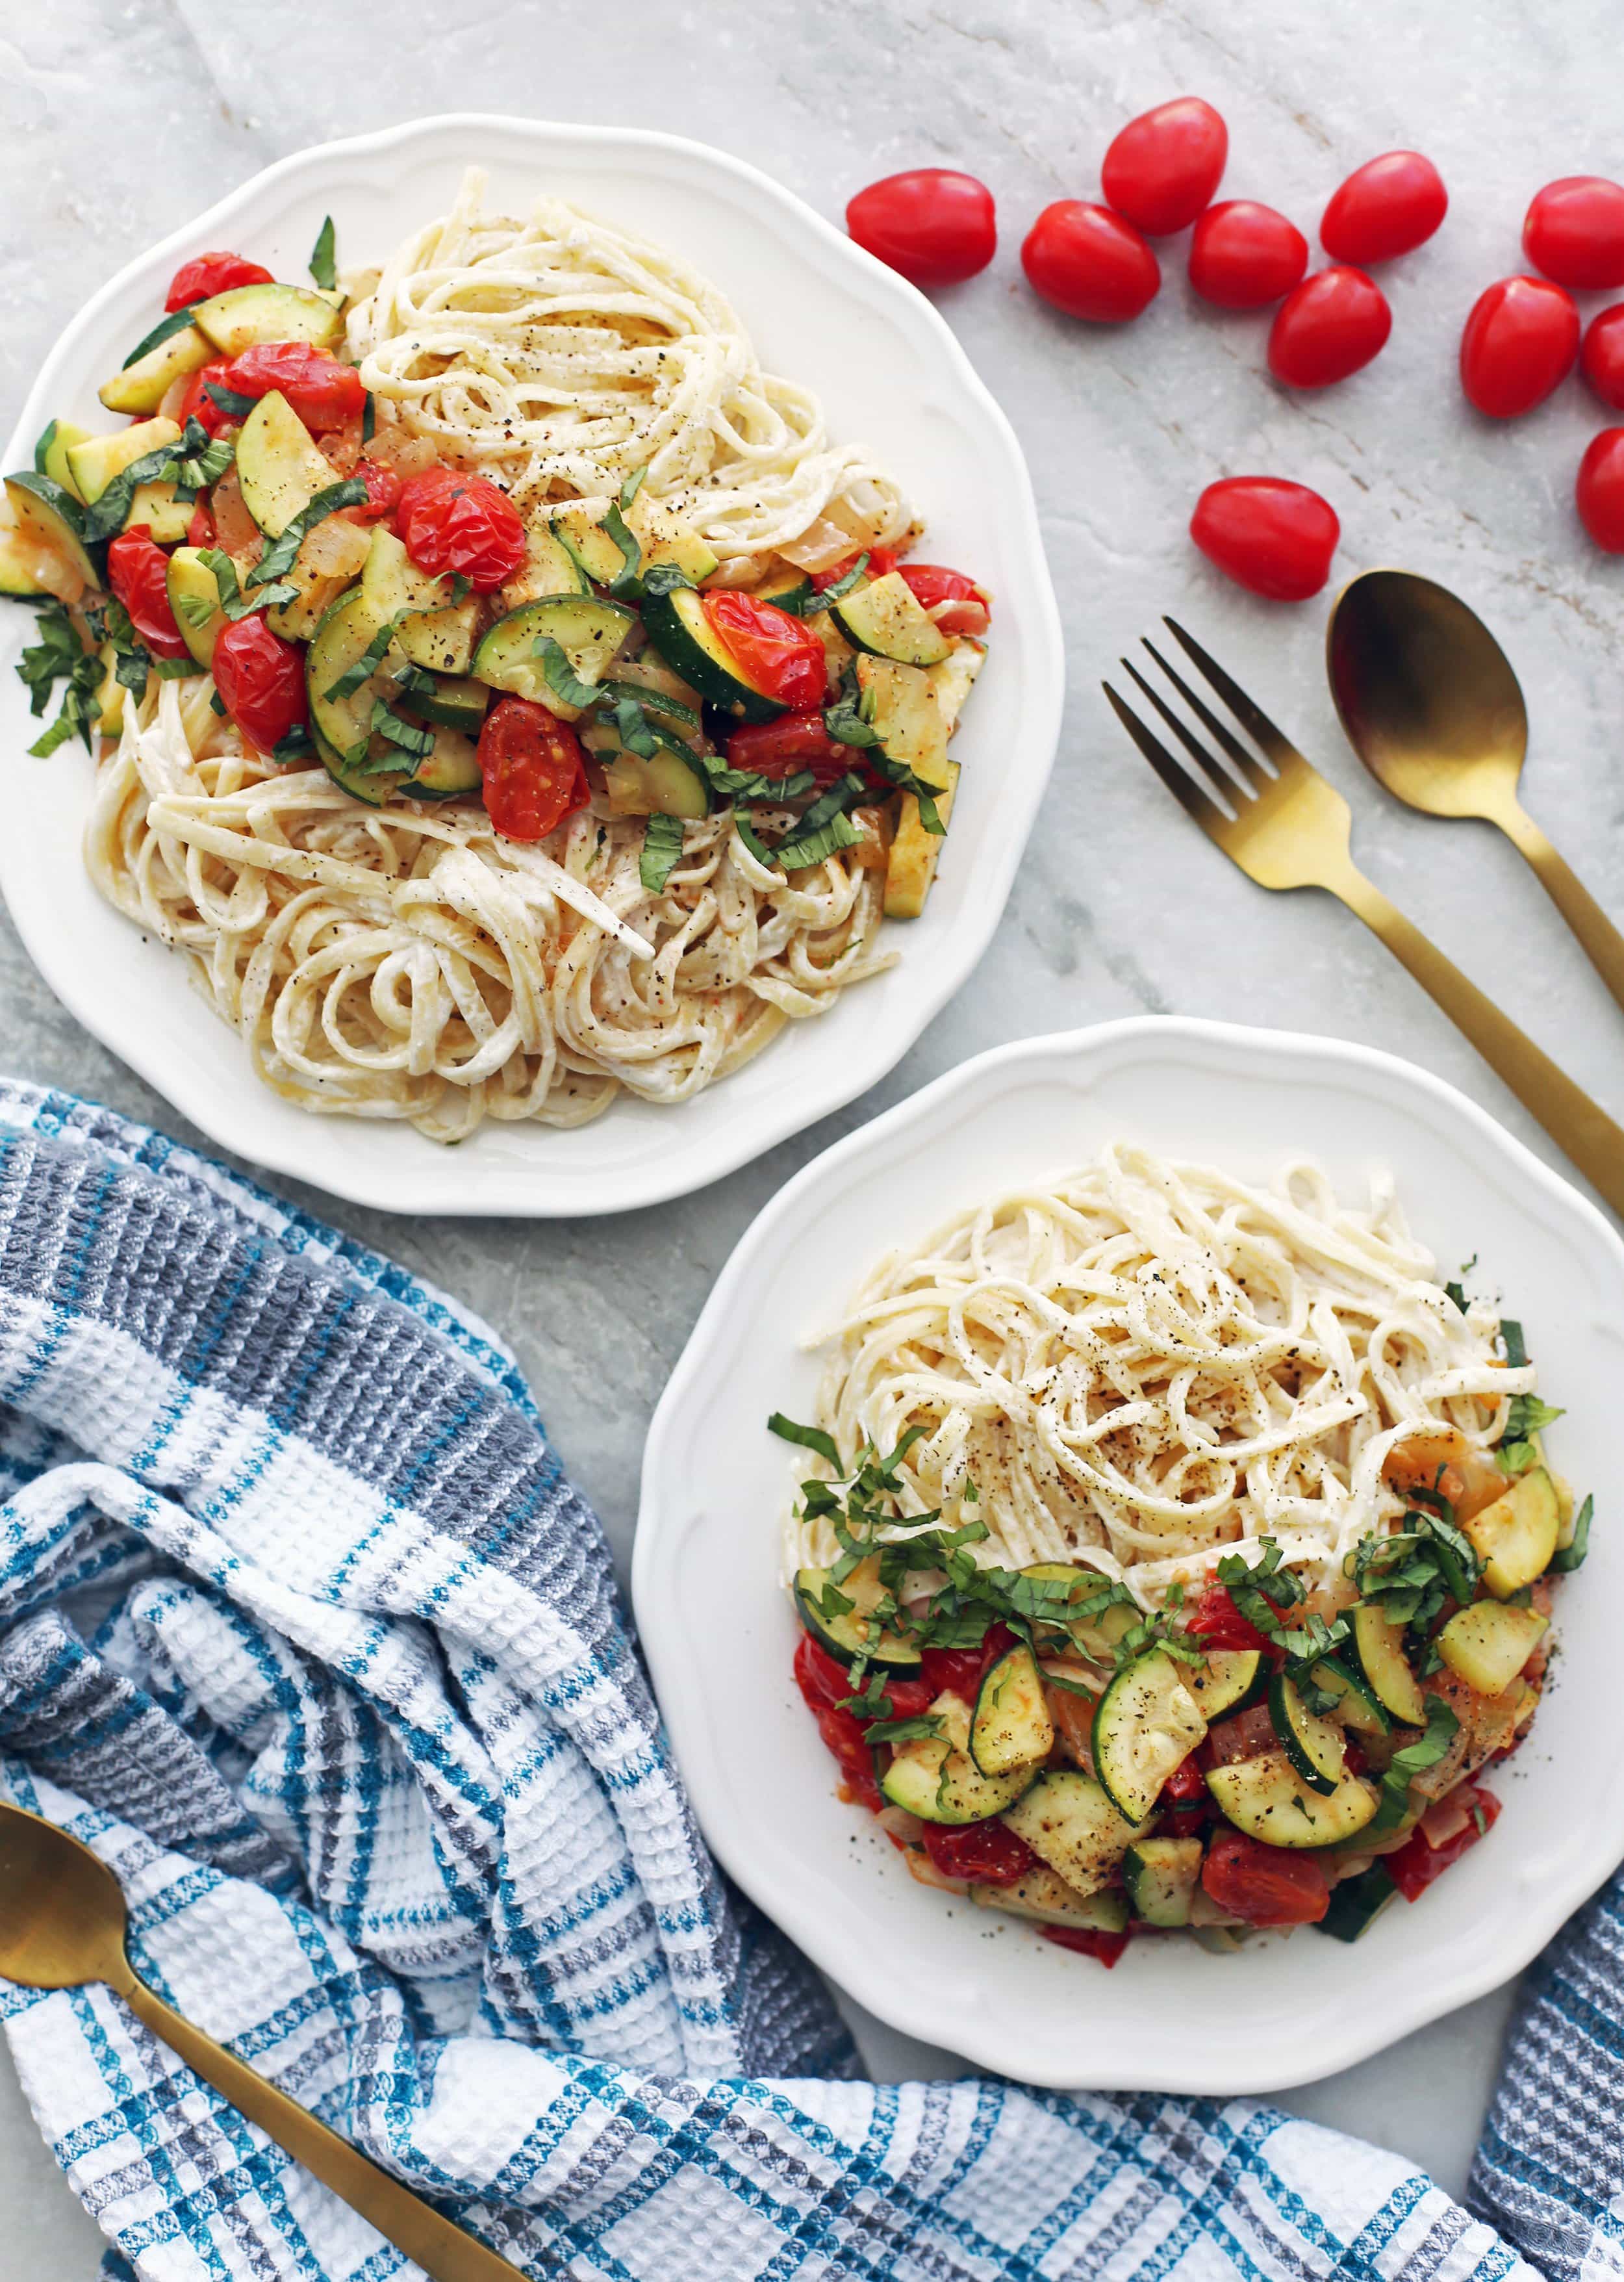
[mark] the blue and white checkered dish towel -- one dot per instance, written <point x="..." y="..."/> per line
<point x="303" y="1629"/>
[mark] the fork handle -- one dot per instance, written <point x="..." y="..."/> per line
<point x="1579" y="1126"/>
<point x="444" y="2252"/>
<point x="1600" y="941"/>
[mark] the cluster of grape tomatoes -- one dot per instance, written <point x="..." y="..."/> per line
<point x="1160" y="175"/>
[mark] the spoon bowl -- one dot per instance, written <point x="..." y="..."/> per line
<point x="64" y="1917"/>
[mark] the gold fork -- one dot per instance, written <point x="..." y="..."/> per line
<point x="1291" y="829"/>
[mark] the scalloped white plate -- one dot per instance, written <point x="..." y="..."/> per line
<point x="719" y="1633"/>
<point x="889" y="372"/>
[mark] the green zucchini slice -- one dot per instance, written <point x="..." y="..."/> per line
<point x="194" y="600"/>
<point x="50" y="453"/>
<point x="1355" y="1902"/>
<point x="1378" y="1648"/>
<point x="1045" y="1896"/>
<point x="47" y="513"/>
<point x="1488" y="1644"/>
<point x="18" y="575"/>
<point x="248" y="314"/>
<point x="1011" y="1727"/>
<point x="935" y="1778"/>
<point x="94" y="461"/>
<point x="1357" y="1705"/>
<point x="588" y="632"/>
<point x="278" y="466"/>
<point x="450" y="771"/>
<point x="1267" y="1799"/>
<point x="1161" y="1876"/>
<point x="848" y="1633"/>
<point x="1517" y="1534"/>
<point x="1068" y="1822"/>
<point x="1314" y="1747"/>
<point x="1148" y="1724"/>
<point x="900" y="705"/>
<point x="679" y="629"/>
<point x="342" y="726"/>
<point x="886" y="618"/>
<point x="1225" y="1682"/>
<point x="144" y="383"/>
<point x="455" y="701"/>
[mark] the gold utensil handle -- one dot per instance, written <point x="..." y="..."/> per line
<point x="1578" y="1126"/>
<point x="1602" y="944"/>
<point x="443" y="2250"/>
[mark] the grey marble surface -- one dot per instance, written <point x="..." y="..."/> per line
<point x="121" y="117"/>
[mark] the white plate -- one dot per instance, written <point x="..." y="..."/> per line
<point x="890" y="374"/>
<point x="719" y="1633"/>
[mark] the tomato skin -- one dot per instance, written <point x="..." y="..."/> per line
<point x="984" y="1852"/>
<point x="1520" y="342"/>
<point x="139" y="573"/>
<point x="823" y="1682"/>
<point x="382" y="492"/>
<point x="463" y="526"/>
<point x="1162" y="167"/>
<point x="1328" y="327"/>
<point x="952" y="1671"/>
<point x="1599" y="492"/>
<point x="958" y="605"/>
<point x="822" y="1679"/>
<point x="1186" y="1783"/>
<point x="793" y="742"/>
<point x="1244" y="255"/>
<point x="323" y="392"/>
<point x="197" y="405"/>
<point x="1273" y="537"/>
<point x="1574" y="231"/>
<point x="1107" y="1948"/>
<point x="260" y="680"/>
<point x="534" y="768"/>
<point x="1090" y="262"/>
<point x="200" y="531"/>
<point x="780" y="653"/>
<point x="1385" y="207"/>
<point x="931" y="225"/>
<point x="1602" y="358"/>
<point x="208" y="273"/>
<point x="1216" y="1621"/>
<point x="1413" y="1866"/>
<point x="1265" y="1885"/>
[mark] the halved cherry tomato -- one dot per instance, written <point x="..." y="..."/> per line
<point x="1574" y="231"/>
<point x="952" y="1671"/>
<point x="323" y="392"/>
<point x="821" y="1682"/>
<point x="200" y="531"/>
<point x="954" y="599"/>
<point x="1162" y="167"/>
<point x="208" y="273"/>
<point x="1385" y="207"/>
<point x="1087" y="260"/>
<point x="1520" y="342"/>
<point x="984" y="1852"/>
<point x="1244" y="255"/>
<point x="139" y="573"/>
<point x="534" y="768"/>
<point x="1108" y="1947"/>
<point x="462" y="524"/>
<point x="793" y="742"/>
<point x="1265" y="1885"/>
<point x="1602" y="358"/>
<point x="260" y="680"/>
<point x="1413" y="1866"/>
<point x="382" y="492"/>
<point x="1274" y="536"/>
<point x="779" y="653"/>
<point x="822" y="1679"/>
<point x="1185" y="1783"/>
<point x="1599" y="491"/>
<point x="197" y="404"/>
<point x="932" y="225"/>
<point x="1329" y="326"/>
<point x="1216" y="1622"/>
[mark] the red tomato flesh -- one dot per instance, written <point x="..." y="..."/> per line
<point x="1599" y="491"/>
<point x="954" y="599"/>
<point x="1107" y="1948"/>
<point x="208" y="273"/>
<point x="1602" y="358"/>
<point x="779" y="653"/>
<point x="197" y="404"/>
<point x="793" y="742"/>
<point x="932" y="225"/>
<point x="1244" y="255"/>
<point x="1090" y="262"/>
<point x="1413" y="1866"/>
<point x="1265" y="1885"/>
<point x="1273" y="537"/>
<point x="1385" y="207"/>
<point x="461" y="526"/>
<point x="1574" y="231"/>
<point x="1215" y="1620"/>
<point x="323" y="392"/>
<point x="823" y="1682"/>
<point x="1162" y="167"/>
<point x="534" y="768"/>
<point x="262" y="680"/>
<point x="984" y="1852"/>
<point x="1520" y="343"/>
<point x="139" y="573"/>
<point x="1329" y="326"/>
<point x="382" y="492"/>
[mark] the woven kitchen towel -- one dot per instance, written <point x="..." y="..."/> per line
<point x="302" y="1628"/>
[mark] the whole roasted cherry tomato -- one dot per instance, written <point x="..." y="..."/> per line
<point x="932" y="225"/>
<point x="1328" y="327"/>
<point x="323" y="392"/>
<point x="197" y="404"/>
<point x="1274" y="536"/>
<point x="1162" y="167"/>
<point x="260" y="680"/>
<point x="1217" y="1623"/>
<point x="534" y="768"/>
<point x="382" y="492"/>
<point x="780" y="653"/>
<point x="1265" y="1885"/>
<point x="1385" y="207"/>
<point x="139" y="573"/>
<point x="984" y="1852"/>
<point x="1244" y="255"/>
<point x="1107" y="1948"/>
<point x="1599" y="492"/>
<point x="1602" y="358"/>
<point x="795" y="742"/>
<point x="1413" y="1866"/>
<point x="463" y="526"/>
<point x="1574" y="231"/>
<point x="1087" y="260"/>
<point x="954" y="599"/>
<point x="1519" y="342"/>
<point x="208" y="273"/>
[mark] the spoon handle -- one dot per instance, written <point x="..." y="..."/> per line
<point x="1600" y="940"/>
<point x="1579" y="1126"/>
<point x="444" y="2251"/>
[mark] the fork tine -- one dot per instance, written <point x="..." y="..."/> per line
<point x="1178" y="781"/>
<point x="1252" y="718"/>
<point x="1192" y="743"/>
<point x="1247" y="766"/>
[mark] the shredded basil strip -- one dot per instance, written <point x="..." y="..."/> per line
<point x="107" y="515"/>
<point x="278" y="558"/>
<point x="231" y="401"/>
<point x="1511" y="1333"/>
<point x="369" y="418"/>
<point x="233" y="602"/>
<point x="365" y="666"/>
<point x="177" y="669"/>
<point x="1568" y="1558"/>
<point x="322" y="267"/>
<point x="664" y="578"/>
<point x="294" y="746"/>
<point x="843" y="584"/>
<point x="810" y="1438"/>
<point x="800" y="601"/>
<point x="633" y="486"/>
<point x="59" y="654"/>
<point x="625" y="580"/>
<point x="662" y="848"/>
<point x="750" y="784"/>
<point x="655" y="700"/>
<point x="757" y="847"/>
<point x="1413" y="1759"/>
<point x="560" y="676"/>
<point x="405" y="735"/>
<point x="583" y="577"/>
<point x="166" y="330"/>
<point x="824" y="828"/>
<point x="632" y="726"/>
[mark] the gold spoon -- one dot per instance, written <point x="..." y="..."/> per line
<point x="62" y="1921"/>
<point x="1431" y="706"/>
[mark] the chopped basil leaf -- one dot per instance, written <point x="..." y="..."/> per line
<point x="107" y="515"/>
<point x="365" y="666"/>
<point x="844" y="719"/>
<point x="632" y="726"/>
<point x="1570" y="1556"/>
<point x="633" y="486"/>
<point x="758" y="848"/>
<point x="131" y="661"/>
<point x="1510" y="1334"/>
<point x="296" y="745"/>
<point x="231" y="401"/>
<point x="409" y="736"/>
<point x="800" y="601"/>
<point x="906" y="781"/>
<point x="664" y="578"/>
<point x="561" y="677"/>
<point x="750" y="784"/>
<point x="662" y="848"/>
<point x="193" y="610"/>
<point x="218" y="704"/>
<point x="59" y="654"/>
<point x="279" y="556"/>
<point x="177" y="669"/>
<point x="625" y="581"/>
<point x="322" y="267"/>
<point x="1413" y="1759"/>
<point x="843" y="584"/>
<point x="461" y="589"/>
<point x="824" y="829"/>
<point x="655" y="700"/>
<point x="166" y="330"/>
<point x="1515" y="1451"/>
<point x="369" y="418"/>
<point x="583" y="577"/>
<point x="810" y="1438"/>
<point x="233" y="602"/>
<point x="903" y="1731"/>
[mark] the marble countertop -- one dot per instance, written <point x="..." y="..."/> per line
<point x="122" y="117"/>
